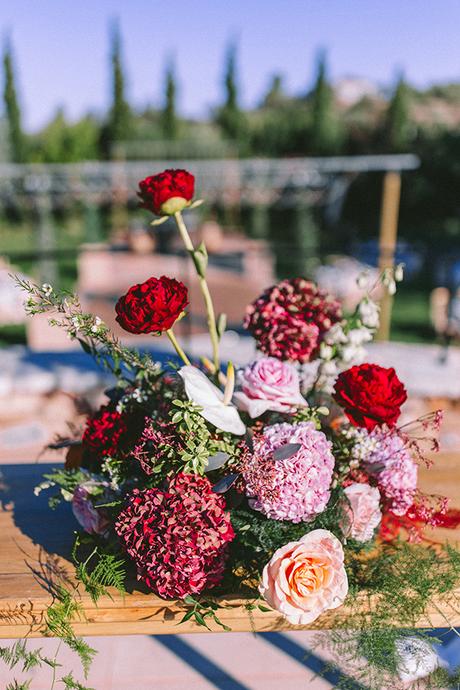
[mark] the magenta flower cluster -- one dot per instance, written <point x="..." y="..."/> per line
<point x="289" y="319"/>
<point x="177" y="537"/>
<point x="296" y="488"/>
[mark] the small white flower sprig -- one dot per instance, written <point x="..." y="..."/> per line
<point x="91" y="332"/>
<point x="343" y="344"/>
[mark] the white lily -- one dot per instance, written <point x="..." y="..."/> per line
<point x="215" y="409"/>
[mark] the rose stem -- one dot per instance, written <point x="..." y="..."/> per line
<point x="204" y="290"/>
<point x="177" y="347"/>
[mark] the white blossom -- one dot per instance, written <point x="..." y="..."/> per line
<point x="326" y="351"/>
<point x="335" y="335"/>
<point x="416" y="658"/>
<point x="206" y="395"/>
<point x="369" y="313"/>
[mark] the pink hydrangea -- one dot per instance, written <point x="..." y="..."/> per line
<point x="269" y="384"/>
<point x="388" y="458"/>
<point x="289" y="319"/>
<point x="296" y="488"/>
<point x="177" y="537"/>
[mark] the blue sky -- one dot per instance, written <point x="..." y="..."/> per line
<point x="61" y="48"/>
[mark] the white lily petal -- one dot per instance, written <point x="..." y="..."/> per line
<point x="202" y="392"/>
<point x="254" y="408"/>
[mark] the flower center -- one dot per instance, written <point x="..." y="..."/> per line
<point x="308" y="576"/>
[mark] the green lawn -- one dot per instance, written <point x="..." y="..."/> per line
<point x="411" y="317"/>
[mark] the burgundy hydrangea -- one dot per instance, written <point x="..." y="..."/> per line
<point x="289" y="319"/>
<point x="158" y="442"/>
<point x="177" y="537"/>
<point x="105" y="431"/>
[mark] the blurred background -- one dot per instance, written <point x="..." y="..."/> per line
<point x="301" y="121"/>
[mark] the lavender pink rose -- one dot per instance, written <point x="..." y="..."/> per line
<point x="269" y="384"/>
<point x="92" y="520"/>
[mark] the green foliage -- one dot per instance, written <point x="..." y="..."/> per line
<point x="292" y="224"/>
<point x="18" y="654"/>
<point x="398" y="125"/>
<point x="169" y="116"/>
<point x="120" y="119"/>
<point x="230" y="117"/>
<point x="13" y="113"/>
<point x="71" y="684"/>
<point x="199" y="444"/>
<point x="62" y="142"/>
<point x="59" y="617"/>
<point x="100" y="570"/>
<point x="202" y="609"/>
<point x="275" y="94"/>
<point x="92" y="334"/>
<point x="324" y="138"/>
<point x="18" y="686"/>
<point x="65" y="480"/>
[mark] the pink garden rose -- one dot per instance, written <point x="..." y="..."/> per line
<point x="269" y="384"/>
<point x="306" y="577"/>
<point x="92" y="520"/>
<point x="365" y="513"/>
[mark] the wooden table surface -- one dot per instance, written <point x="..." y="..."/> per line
<point x="34" y="557"/>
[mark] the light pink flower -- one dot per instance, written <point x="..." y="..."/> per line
<point x="92" y="520"/>
<point x="269" y="384"/>
<point x="306" y="577"/>
<point x="365" y="511"/>
<point x="295" y="488"/>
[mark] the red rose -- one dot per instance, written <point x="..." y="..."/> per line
<point x="152" y="306"/>
<point x="370" y="395"/>
<point x="167" y="192"/>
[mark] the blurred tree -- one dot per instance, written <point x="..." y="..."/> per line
<point x="61" y="142"/>
<point x="168" y="116"/>
<point x="275" y="94"/>
<point x="17" y="141"/>
<point x="230" y="117"/>
<point x="118" y="125"/>
<point x="397" y="128"/>
<point x="325" y="132"/>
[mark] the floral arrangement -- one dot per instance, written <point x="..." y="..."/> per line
<point x="290" y="481"/>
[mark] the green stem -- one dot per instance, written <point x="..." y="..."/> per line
<point x="177" y="347"/>
<point x="204" y="290"/>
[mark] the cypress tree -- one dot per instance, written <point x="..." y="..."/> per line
<point x="397" y="126"/>
<point x="12" y="109"/>
<point x="275" y="95"/>
<point x="169" y="117"/>
<point x="230" y="117"/>
<point x="324" y="134"/>
<point x="119" y="121"/>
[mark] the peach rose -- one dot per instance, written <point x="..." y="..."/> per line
<point x="365" y="511"/>
<point x="306" y="577"/>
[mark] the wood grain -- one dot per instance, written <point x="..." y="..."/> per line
<point x="34" y="558"/>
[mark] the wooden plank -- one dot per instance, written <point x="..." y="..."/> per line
<point x="34" y="557"/>
<point x="387" y="244"/>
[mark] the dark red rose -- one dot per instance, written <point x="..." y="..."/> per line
<point x="153" y="306"/>
<point x="370" y="395"/>
<point x="157" y="190"/>
<point x="104" y="433"/>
